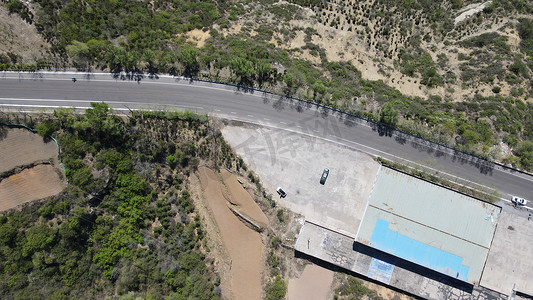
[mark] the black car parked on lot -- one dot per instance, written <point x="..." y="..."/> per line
<point x="324" y="176"/>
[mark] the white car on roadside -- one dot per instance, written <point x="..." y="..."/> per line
<point x="281" y="192"/>
<point x="518" y="201"/>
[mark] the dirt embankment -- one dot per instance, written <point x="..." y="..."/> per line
<point x="20" y="147"/>
<point x="19" y="37"/>
<point x="242" y="201"/>
<point x="242" y="244"/>
<point x="30" y="168"/>
<point x="313" y="283"/>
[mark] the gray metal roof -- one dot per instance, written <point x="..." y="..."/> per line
<point x="429" y="225"/>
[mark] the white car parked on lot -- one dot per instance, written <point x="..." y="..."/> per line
<point x="281" y="192"/>
<point x="518" y="201"/>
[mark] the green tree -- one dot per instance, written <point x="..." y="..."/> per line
<point x="4" y="59"/>
<point x="319" y="90"/>
<point x="525" y="31"/>
<point x="46" y="128"/>
<point x="276" y="290"/>
<point x="188" y="57"/>
<point x="149" y="58"/>
<point x="97" y="49"/>
<point x="525" y="152"/>
<point x="264" y="71"/>
<point x="16" y="6"/>
<point x="80" y="55"/>
<point x="243" y="68"/>
<point x="65" y="115"/>
<point x="171" y="160"/>
<point x="97" y="114"/>
<point x="290" y="82"/>
<point x="431" y="78"/>
<point x="38" y="238"/>
<point x="388" y="114"/>
<point x="470" y="137"/>
<point x="7" y="234"/>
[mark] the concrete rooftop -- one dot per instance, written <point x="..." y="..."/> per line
<point x="340" y="250"/>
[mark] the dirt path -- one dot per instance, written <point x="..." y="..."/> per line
<point x="31" y="184"/>
<point x="243" y="245"/>
<point x="314" y="283"/>
<point x="20" y="147"/>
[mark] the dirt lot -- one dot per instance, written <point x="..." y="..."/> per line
<point x="20" y="147"/>
<point x="31" y="184"/>
<point x="313" y="283"/>
<point x="242" y="244"/>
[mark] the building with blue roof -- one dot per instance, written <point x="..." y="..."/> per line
<point x="428" y="225"/>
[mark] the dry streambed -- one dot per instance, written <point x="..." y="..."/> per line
<point x="242" y="244"/>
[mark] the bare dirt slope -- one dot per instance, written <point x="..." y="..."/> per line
<point x="32" y="165"/>
<point x="243" y="244"/>
<point x="244" y="202"/>
<point x="19" y="147"/>
<point x="313" y="283"/>
<point x="373" y="36"/>
<point x="21" y="38"/>
<point x="31" y="184"/>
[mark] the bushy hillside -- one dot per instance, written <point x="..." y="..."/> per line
<point x="126" y="224"/>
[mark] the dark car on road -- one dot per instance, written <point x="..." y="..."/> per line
<point x="324" y="176"/>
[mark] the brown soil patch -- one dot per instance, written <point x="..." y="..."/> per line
<point x="214" y="246"/>
<point x="243" y="245"/>
<point x="31" y="184"/>
<point x="21" y="38"/>
<point x="20" y="147"/>
<point x="386" y="293"/>
<point x="314" y="283"/>
<point x="234" y="29"/>
<point x="242" y="199"/>
<point x="198" y="37"/>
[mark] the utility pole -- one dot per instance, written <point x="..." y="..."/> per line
<point x="513" y="293"/>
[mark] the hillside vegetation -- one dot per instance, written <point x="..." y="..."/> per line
<point x="428" y="67"/>
<point x="126" y="224"/>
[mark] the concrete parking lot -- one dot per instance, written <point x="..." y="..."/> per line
<point x="295" y="162"/>
<point x="509" y="261"/>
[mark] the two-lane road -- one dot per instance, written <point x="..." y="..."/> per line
<point x="51" y="90"/>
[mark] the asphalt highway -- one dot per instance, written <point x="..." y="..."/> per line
<point x="47" y="90"/>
